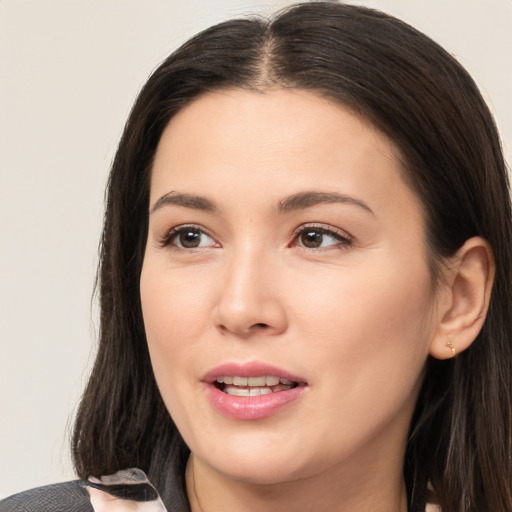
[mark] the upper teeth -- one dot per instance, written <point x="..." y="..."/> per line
<point x="253" y="381"/>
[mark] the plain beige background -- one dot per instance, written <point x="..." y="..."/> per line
<point x="69" y="72"/>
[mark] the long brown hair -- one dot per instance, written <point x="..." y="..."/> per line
<point x="416" y="93"/>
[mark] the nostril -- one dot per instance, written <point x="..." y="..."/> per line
<point x="246" y="332"/>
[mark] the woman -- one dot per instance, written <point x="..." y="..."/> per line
<point x="305" y="264"/>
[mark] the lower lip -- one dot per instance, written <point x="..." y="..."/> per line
<point x="252" y="407"/>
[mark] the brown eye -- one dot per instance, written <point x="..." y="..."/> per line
<point x="188" y="237"/>
<point x="311" y="238"/>
<point x="321" y="238"/>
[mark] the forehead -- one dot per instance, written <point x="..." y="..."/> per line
<point x="246" y="152"/>
<point x="255" y="131"/>
<point x="277" y="142"/>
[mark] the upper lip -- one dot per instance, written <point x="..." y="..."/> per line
<point x="250" y="369"/>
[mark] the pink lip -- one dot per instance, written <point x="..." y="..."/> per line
<point x="251" y="407"/>
<point x="252" y="369"/>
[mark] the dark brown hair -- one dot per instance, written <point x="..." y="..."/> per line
<point x="417" y="94"/>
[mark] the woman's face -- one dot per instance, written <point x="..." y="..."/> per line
<point x="285" y="261"/>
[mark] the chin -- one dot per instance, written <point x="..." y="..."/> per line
<point x="266" y="472"/>
<point x="257" y="461"/>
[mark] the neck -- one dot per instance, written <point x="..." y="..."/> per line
<point x="336" y="490"/>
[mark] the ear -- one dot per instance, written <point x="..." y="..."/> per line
<point x="463" y="298"/>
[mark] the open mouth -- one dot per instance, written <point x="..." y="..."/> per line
<point x="253" y="386"/>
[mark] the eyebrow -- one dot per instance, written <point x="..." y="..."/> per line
<point x="185" y="200"/>
<point x="308" y="199"/>
<point x="299" y="201"/>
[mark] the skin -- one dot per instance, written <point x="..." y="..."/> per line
<point x="355" y="316"/>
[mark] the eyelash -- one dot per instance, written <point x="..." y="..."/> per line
<point x="344" y="239"/>
<point x="172" y="234"/>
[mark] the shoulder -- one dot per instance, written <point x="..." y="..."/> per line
<point x="62" y="497"/>
<point x="126" y="490"/>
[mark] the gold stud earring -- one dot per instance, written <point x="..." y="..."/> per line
<point x="451" y="347"/>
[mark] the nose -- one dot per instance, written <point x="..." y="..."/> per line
<point x="248" y="301"/>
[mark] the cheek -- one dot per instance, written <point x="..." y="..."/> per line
<point x="172" y="323"/>
<point x="174" y="306"/>
<point x="371" y="301"/>
<point x="366" y="351"/>
<point x="370" y="333"/>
